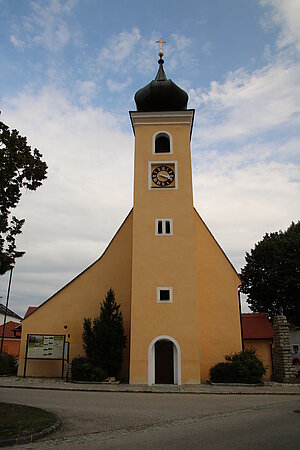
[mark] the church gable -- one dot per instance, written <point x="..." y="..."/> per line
<point x="64" y="312"/>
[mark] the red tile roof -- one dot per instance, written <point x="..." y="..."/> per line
<point x="256" y="326"/>
<point x="9" y="327"/>
<point x="30" y="310"/>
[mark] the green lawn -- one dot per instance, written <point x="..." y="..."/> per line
<point x="21" y="420"/>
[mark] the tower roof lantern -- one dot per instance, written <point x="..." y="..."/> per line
<point x="161" y="94"/>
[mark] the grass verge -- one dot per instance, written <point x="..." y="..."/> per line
<point x="20" y="420"/>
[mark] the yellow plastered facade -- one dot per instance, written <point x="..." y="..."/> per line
<point x="263" y="348"/>
<point x="203" y="320"/>
<point x="81" y="298"/>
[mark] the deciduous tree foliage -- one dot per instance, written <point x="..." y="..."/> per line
<point x="104" y="340"/>
<point x="20" y="167"/>
<point x="271" y="276"/>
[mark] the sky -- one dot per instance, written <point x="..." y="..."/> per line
<point x="69" y="72"/>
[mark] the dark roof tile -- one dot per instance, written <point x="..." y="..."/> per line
<point x="256" y="326"/>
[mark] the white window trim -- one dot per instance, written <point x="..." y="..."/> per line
<point x="164" y="220"/>
<point x="160" y="163"/>
<point x="153" y="143"/>
<point x="160" y="288"/>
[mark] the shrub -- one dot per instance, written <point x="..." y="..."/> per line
<point x="296" y="361"/>
<point x="239" y="368"/>
<point x="83" y="369"/>
<point x="8" y="364"/>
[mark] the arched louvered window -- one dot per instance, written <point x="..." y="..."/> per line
<point x="162" y="143"/>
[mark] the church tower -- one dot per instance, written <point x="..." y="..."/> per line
<point x="164" y="311"/>
<point x="164" y="316"/>
<point x="177" y="289"/>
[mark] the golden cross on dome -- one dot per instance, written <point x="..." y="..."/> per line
<point x="160" y="42"/>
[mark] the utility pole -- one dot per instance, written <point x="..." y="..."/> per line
<point x="6" y="308"/>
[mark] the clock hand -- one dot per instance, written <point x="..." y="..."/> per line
<point x="164" y="176"/>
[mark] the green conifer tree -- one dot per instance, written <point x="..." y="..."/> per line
<point x="105" y="340"/>
<point x="110" y="339"/>
<point x="88" y="339"/>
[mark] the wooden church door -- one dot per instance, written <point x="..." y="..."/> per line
<point x="164" y="362"/>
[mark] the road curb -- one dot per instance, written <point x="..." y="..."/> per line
<point x="151" y="391"/>
<point x="30" y="437"/>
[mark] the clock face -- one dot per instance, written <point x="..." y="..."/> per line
<point x="163" y="175"/>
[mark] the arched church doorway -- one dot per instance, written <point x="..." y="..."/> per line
<point x="164" y="362"/>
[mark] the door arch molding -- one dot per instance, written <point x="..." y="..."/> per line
<point x="176" y="356"/>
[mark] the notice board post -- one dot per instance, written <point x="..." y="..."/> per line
<point x="45" y="347"/>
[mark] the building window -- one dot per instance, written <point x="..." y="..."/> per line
<point x="164" y="295"/>
<point x="163" y="227"/>
<point x="162" y="143"/>
<point x="295" y="349"/>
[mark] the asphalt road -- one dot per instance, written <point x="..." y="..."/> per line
<point x="103" y="420"/>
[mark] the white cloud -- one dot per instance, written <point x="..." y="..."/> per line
<point x="245" y="193"/>
<point x="181" y="41"/>
<point x="207" y="47"/>
<point x="47" y="25"/>
<point x="86" y="90"/>
<point x="119" y="48"/>
<point x="17" y="42"/>
<point x="130" y="50"/>
<point x="113" y="86"/>
<point x="247" y="104"/>
<point x="72" y="217"/>
<point x="286" y="14"/>
<point x="267" y="52"/>
<point x="178" y="51"/>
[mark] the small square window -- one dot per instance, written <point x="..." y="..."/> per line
<point x="164" y="295"/>
<point x="163" y="227"/>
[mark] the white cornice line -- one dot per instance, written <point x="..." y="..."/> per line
<point x="143" y="115"/>
<point x="161" y="123"/>
<point x="163" y="118"/>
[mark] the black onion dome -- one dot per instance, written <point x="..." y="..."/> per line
<point x="161" y="94"/>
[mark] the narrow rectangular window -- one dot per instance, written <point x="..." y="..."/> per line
<point x="168" y="227"/>
<point x="159" y="227"/>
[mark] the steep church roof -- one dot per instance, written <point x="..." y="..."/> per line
<point x="161" y="94"/>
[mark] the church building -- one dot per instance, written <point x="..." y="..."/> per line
<point x="177" y="289"/>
